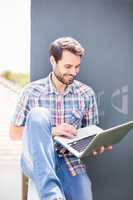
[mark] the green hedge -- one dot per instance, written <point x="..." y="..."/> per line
<point x="18" y="78"/>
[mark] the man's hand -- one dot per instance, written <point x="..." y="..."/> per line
<point x="65" y="130"/>
<point x="101" y="150"/>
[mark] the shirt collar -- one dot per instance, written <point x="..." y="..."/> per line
<point x="52" y="89"/>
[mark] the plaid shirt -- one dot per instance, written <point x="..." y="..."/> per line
<point x="77" y="106"/>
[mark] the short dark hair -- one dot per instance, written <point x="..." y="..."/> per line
<point x="65" y="43"/>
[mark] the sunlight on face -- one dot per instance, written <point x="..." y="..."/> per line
<point x="67" y="68"/>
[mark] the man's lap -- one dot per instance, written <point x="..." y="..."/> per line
<point x="75" y="187"/>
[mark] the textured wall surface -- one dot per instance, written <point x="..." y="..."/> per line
<point x="105" y="28"/>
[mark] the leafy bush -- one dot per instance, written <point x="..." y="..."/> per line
<point x="18" y="78"/>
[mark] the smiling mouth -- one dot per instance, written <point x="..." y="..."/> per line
<point x="70" y="76"/>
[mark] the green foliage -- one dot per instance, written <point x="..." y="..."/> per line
<point x="18" y="78"/>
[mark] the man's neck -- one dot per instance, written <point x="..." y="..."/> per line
<point x="60" y="87"/>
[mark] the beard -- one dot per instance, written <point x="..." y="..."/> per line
<point x="61" y="78"/>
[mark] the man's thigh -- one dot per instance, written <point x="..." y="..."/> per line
<point x="78" y="187"/>
<point x="75" y="187"/>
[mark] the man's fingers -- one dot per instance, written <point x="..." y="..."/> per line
<point x="66" y="130"/>
<point x="110" y="147"/>
<point x="98" y="151"/>
<point x="70" y="129"/>
<point x="101" y="149"/>
<point x="68" y="134"/>
<point x="94" y="153"/>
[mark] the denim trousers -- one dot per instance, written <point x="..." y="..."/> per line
<point x="49" y="177"/>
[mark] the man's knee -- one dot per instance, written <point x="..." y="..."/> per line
<point x="39" y="115"/>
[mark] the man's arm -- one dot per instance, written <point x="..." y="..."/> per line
<point x="19" y="116"/>
<point x="16" y="132"/>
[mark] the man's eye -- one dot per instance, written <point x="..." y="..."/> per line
<point x="68" y="66"/>
<point x="77" y="67"/>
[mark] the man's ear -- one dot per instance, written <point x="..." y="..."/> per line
<point x="52" y="61"/>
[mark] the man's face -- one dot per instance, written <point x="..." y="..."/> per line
<point x="67" y="68"/>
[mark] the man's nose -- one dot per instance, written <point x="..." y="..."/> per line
<point x="74" y="72"/>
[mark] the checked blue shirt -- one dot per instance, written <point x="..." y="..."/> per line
<point x="76" y="106"/>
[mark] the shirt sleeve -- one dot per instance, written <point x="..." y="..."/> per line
<point x="22" y="109"/>
<point x="91" y="114"/>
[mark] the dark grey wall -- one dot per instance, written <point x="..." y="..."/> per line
<point x="105" y="28"/>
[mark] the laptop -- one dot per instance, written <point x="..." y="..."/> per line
<point x="93" y="137"/>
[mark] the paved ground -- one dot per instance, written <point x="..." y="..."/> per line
<point x="10" y="173"/>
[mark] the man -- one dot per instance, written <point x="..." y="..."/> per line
<point x="56" y="105"/>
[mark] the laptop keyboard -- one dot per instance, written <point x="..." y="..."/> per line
<point x="81" y="144"/>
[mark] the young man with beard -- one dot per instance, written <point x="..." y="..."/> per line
<point x="55" y="105"/>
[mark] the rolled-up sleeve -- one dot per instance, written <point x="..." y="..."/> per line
<point x="22" y="109"/>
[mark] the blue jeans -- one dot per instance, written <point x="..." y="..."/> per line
<point x="46" y="170"/>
